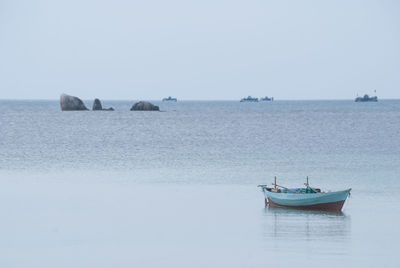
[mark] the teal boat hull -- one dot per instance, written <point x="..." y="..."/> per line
<point x="330" y="201"/>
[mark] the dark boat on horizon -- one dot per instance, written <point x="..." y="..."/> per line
<point x="170" y="99"/>
<point x="249" y="99"/>
<point x="266" y="98"/>
<point x="366" y="98"/>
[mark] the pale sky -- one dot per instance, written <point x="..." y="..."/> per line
<point x="207" y="49"/>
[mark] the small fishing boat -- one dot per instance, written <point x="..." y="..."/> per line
<point x="366" y="98"/>
<point x="170" y="99"/>
<point x="249" y="99"/>
<point x="308" y="198"/>
<point x="266" y="98"/>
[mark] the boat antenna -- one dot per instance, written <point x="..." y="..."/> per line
<point x="308" y="185"/>
<point x="275" y="182"/>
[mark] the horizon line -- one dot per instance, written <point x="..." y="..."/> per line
<point x="48" y="99"/>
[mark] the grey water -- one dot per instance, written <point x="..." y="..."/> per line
<point x="178" y="188"/>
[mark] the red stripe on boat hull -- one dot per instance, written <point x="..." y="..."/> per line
<point x="332" y="206"/>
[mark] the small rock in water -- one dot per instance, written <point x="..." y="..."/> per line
<point x="71" y="103"/>
<point x="144" y="106"/>
<point x="98" y="107"/>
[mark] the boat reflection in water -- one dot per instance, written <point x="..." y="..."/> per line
<point x="327" y="233"/>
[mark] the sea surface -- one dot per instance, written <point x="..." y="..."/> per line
<point x="178" y="188"/>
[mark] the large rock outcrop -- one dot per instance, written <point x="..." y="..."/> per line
<point x="98" y="107"/>
<point x="71" y="103"/>
<point x="144" y="106"/>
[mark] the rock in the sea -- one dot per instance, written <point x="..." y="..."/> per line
<point x="71" y="103"/>
<point x="144" y="106"/>
<point x="98" y="107"/>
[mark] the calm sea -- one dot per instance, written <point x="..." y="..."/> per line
<point x="178" y="188"/>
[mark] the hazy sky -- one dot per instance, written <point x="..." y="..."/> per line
<point x="206" y="49"/>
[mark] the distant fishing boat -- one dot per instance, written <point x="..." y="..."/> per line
<point x="367" y="98"/>
<point x="170" y="99"/>
<point x="249" y="99"/>
<point x="304" y="198"/>
<point x="267" y="99"/>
